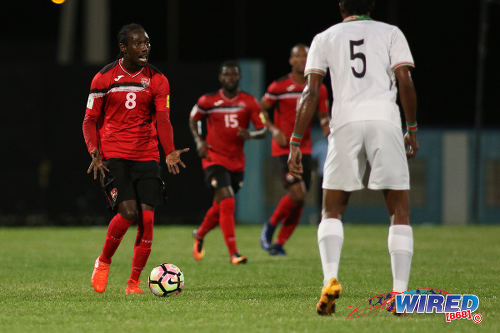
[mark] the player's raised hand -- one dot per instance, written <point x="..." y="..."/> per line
<point x="173" y="161"/>
<point x="97" y="165"/>
<point x="411" y="144"/>
<point x="295" y="162"/>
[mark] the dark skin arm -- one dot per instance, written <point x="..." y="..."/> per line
<point x="201" y="145"/>
<point x="408" y="98"/>
<point x="277" y="134"/>
<point x="324" y="122"/>
<point x="305" y="110"/>
<point x="173" y="160"/>
<point x="246" y="134"/>
<point x="97" y="165"/>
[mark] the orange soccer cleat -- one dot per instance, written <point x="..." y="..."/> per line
<point x="198" y="250"/>
<point x="237" y="259"/>
<point x="100" y="276"/>
<point x="133" y="287"/>
<point x="329" y="295"/>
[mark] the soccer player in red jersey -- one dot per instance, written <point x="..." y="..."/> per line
<point x="228" y="113"/>
<point x="127" y="111"/>
<point x="282" y="96"/>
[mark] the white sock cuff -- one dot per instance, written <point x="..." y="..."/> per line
<point x="330" y="227"/>
<point x="400" y="238"/>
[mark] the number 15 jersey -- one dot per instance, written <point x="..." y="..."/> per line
<point x="224" y="116"/>
<point x="362" y="56"/>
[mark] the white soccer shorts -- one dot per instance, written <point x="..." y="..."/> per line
<point x="352" y="145"/>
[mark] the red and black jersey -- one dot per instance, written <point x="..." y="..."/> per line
<point x="223" y="118"/>
<point x="127" y="106"/>
<point x="284" y="95"/>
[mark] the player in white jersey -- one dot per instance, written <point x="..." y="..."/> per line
<point x="366" y="59"/>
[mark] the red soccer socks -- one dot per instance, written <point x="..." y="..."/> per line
<point x="210" y="221"/>
<point x="282" y="210"/>
<point x="289" y="224"/>
<point x="117" y="228"/>
<point x="226" y="221"/>
<point x="143" y="241"/>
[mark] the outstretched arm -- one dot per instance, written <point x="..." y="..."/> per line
<point x="166" y="135"/>
<point x="305" y="110"/>
<point x="408" y="98"/>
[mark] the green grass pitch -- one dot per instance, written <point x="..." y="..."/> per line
<point x="45" y="281"/>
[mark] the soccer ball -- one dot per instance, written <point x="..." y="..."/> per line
<point x="166" y="280"/>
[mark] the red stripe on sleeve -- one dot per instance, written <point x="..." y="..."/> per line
<point x="410" y="64"/>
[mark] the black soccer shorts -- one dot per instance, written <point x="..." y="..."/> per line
<point x="288" y="179"/>
<point x="216" y="176"/>
<point x="133" y="180"/>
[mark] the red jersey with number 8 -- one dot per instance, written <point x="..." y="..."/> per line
<point x="126" y="104"/>
<point x="224" y="116"/>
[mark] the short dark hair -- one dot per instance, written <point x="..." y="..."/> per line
<point x="123" y="33"/>
<point x="359" y="7"/>
<point x="229" y="63"/>
<point x="301" y="45"/>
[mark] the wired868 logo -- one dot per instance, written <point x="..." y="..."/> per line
<point x="424" y="300"/>
<point x="453" y="306"/>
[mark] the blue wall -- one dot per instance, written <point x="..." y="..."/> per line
<point x="252" y="209"/>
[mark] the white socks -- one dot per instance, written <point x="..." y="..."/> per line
<point x="400" y="244"/>
<point x="399" y="241"/>
<point x="330" y="239"/>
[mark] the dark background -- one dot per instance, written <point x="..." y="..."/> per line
<point x="44" y="157"/>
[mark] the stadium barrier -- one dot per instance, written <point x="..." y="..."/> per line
<point x="441" y="177"/>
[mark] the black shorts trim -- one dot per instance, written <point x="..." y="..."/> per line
<point x="133" y="180"/>
<point x="217" y="176"/>
<point x="288" y="179"/>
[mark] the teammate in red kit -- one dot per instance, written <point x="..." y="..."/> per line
<point x="228" y="113"/>
<point x="282" y="96"/>
<point x="127" y="99"/>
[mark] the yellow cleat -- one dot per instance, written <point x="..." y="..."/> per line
<point x="237" y="259"/>
<point x="329" y="294"/>
<point x="198" y="249"/>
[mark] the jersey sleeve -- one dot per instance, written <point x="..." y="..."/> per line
<point x="316" y="60"/>
<point x="93" y="111"/>
<point x="271" y="95"/>
<point x="97" y="92"/>
<point x="198" y="111"/>
<point x="255" y="114"/>
<point x="399" y="51"/>
<point x="323" y="103"/>
<point x="161" y="93"/>
<point x="162" y="105"/>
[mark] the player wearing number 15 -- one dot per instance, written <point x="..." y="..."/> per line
<point x="228" y="113"/>
<point x="369" y="62"/>
<point x="127" y="111"/>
